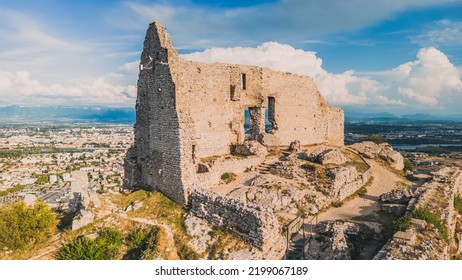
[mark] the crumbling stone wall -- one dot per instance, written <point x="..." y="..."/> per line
<point x="190" y="110"/>
<point x="254" y="223"/>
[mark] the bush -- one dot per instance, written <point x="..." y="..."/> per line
<point x="458" y="203"/>
<point x="408" y="166"/>
<point x="361" y="191"/>
<point x="228" y="177"/>
<point x="22" y="225"/>
<point x="336" y="204"/>
<point x="377" y="139"/>
<point x="104" y="247"/>
<point x="431" y="218"/>
<point x="402" y="223"/>
<point x="142" y="244"/>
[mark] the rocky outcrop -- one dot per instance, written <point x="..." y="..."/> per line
<point x="345" y="181"/>
<point x="326" y="155"/>
<point x="394" y="158"/>
<point x="250" y="147"/>
<point x="385" y="151"/>
<point x="397" y="196"/>
<point x="421" y="242"/>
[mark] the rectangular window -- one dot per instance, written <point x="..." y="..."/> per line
<point x="243" y="81"/>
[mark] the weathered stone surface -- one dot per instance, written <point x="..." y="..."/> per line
<point x="250" y="147"/>
<point x="345" y="181"/>
<point x="327" y="155"/>
<point x="371" y="150"/>
<point x="331" y="241"/>
<point x="294" y="146"/>
<point x="395" y="159"/>
<point x="367" y="149"/>
<point x="397" y="196"/>
<point x="84" y="218"/>
<point x="199" y="230"/>
<point x="254" y="223"/>
<point x="415" y="244"/>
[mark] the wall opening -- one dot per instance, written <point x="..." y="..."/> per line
<point x="270" y="115"/>
<point x="243" y="81"/>
<point x="247" y="130"/>
<point x="193" y="153"/>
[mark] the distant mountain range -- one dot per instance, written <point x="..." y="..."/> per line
<point x="127" y="115"/>
<point x="65" y="114"/>
<point x="352" y="116"/>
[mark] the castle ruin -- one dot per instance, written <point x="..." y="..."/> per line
<point x="187" y="111"/>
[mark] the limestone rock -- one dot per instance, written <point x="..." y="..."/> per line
<point x="249" y="148"/>
<point x="30" y="199"/>
<point x="270" y="141"/>
<point x="345" y="181"/>
<point x="367" y="149"/>
<point x="85" y="218"/>
<point x="395" y="159"/>
<point x="397" y="196"/>
<point x="326" y="155"/>
<point x="294" y="146"/>
<point x="199" y="231"/>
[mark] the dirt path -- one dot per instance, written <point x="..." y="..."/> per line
<point x="366" y="205"/>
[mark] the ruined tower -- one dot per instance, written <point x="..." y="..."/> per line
<point x="187" y="111"/>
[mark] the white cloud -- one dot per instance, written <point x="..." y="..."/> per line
<point x="340" y="89"/>
<point x="443" y="32"/>
<point x="19" y="88"/>
<point x="431" y="80"/>
<point x="287" y="20"/>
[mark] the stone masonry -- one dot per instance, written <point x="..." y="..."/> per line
<point x="188" y="111"/>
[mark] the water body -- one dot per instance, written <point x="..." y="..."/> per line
<point x="413" y="147"/>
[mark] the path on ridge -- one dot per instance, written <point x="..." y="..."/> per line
<point x="366" y="205"/>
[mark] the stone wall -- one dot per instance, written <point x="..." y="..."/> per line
<point x="254" y="223"/>
<point x="190" y="110"/>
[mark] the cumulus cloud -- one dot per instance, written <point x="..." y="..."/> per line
<point x="19" y="88"/>
<point x="431" y="80"/>
<point x="341" y="89"/>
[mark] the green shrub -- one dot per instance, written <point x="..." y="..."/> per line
<point x="361" y="191"/>
<point x="185" y="252"/>
<point x="336" y="204"/>
<point x="458" y="203"/>
<point x="408" y="166"/>
<point x="377" y="139"/>
<point x="143" y="244"/>
<point x="402" y="223"/>
<point x="228" y="177"/>
<point x="22" y="225"/>
<point x="431" y="218"/>
<point x="104" y="247"/>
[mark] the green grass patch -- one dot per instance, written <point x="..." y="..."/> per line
<point x="402" y="223"/>
<point x="361" y="191"/>
<point x="228" y="177"/>
<point x="105" y="247"/>
<point x="434" y="219"/>
<point x="458" y="203"/>
<point x="336" y="204"/>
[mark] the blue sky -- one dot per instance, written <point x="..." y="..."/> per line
<point x="397" y="56"/>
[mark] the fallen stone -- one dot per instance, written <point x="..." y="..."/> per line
<point x="397" y="196"/>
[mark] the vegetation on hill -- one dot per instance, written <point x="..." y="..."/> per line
<point x="22" y="226"/>
<point x="377" y="139"/>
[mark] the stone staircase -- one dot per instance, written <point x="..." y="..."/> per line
<point x="265" y="168"/>
<point x="296" y="247"/>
